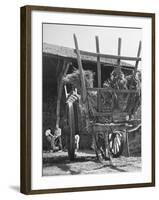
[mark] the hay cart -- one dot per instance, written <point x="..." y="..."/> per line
<point x="112" y="122"/>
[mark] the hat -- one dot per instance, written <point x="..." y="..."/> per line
<point x="47" y="132"/>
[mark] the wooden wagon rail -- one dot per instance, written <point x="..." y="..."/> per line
<point x="87" y="53"/>
<point x="112" y="90"/>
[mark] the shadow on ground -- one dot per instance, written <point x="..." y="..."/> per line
<point x="86" y="163"/>
<point x="15" y="188"/>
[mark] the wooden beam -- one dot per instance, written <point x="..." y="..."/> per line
<point x="62" y="72"/>
<point x="99" y="101"/>
<point x="58" y="65"/>
<point x="134" y="129"/>
<point x="60" y="89"/>
<point x="110" y="124"/>
<point x="83" y="89"/>
<point x="131" y="68"/>
<point x="112" y="90"/>
<point x="119" y="50"/>
<point x="83" y="85"/>
<point x="138" y="55"/>
<point x="87" y="53"/>
<point x="102" y="114"/>
<point x="98" y="62"/>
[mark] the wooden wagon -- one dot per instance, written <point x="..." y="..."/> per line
<point x="113" y="124"/>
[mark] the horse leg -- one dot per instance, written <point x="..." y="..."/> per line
<point x="97" y="148"/>
<point x="106" y="146"/>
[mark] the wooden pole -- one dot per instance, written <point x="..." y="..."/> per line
<point x="98" y="62"/>
<point x="83" y="85"/>
<point x="119" y="50"/>
<point x="60" y="89"/>
<point x="127" y="143"/>
<point x="138" y="55"/>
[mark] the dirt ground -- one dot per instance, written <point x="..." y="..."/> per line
<point x="85" y="163"/>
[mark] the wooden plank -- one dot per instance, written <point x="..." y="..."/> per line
<point x="138" y="55"/>
<point x="65" y="89"/>
<point x="131" y="68"/>
<point x="60" y="89"/>
<point x="109" y="124"/>
<point x="86" y="53"/>
<point x="101" y="62"/>
<point x="83" y="85"/>
<point x="126" y="151"/>
<point x="127" y="143"/>
<point x="99" y="101"/>
<point x="98" y="62"/>
<point x="119" y="50"/>
<point x="111" y="90"/>
<point x="102" y="114"/>
<point x="83" y="90"/>
<point x="62" y="71"/>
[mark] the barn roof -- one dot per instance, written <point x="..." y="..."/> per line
<point x="67" y="52"/>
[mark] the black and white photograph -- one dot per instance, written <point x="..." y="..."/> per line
<point x="91" y="99"/>
<point x="88" y="116"/>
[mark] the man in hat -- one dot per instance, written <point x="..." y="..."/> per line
<point x="54" y="139"/>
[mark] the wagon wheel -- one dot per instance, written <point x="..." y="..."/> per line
<point x="116" y="143"/>
<point x="71" y="136"/>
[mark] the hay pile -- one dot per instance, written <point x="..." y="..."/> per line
<point x="127" y="102"/>
<point x="74" y="79"/>
<point x="119" y="81"/>
<point x="92" y="102"/>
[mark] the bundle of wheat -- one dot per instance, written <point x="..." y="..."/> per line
<point x="134" y="99"/>
<point x="134" y="81"/>
<point x="75" y="81"/>
<point x="118" y="81"/>
<point x="92" y="102"/>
